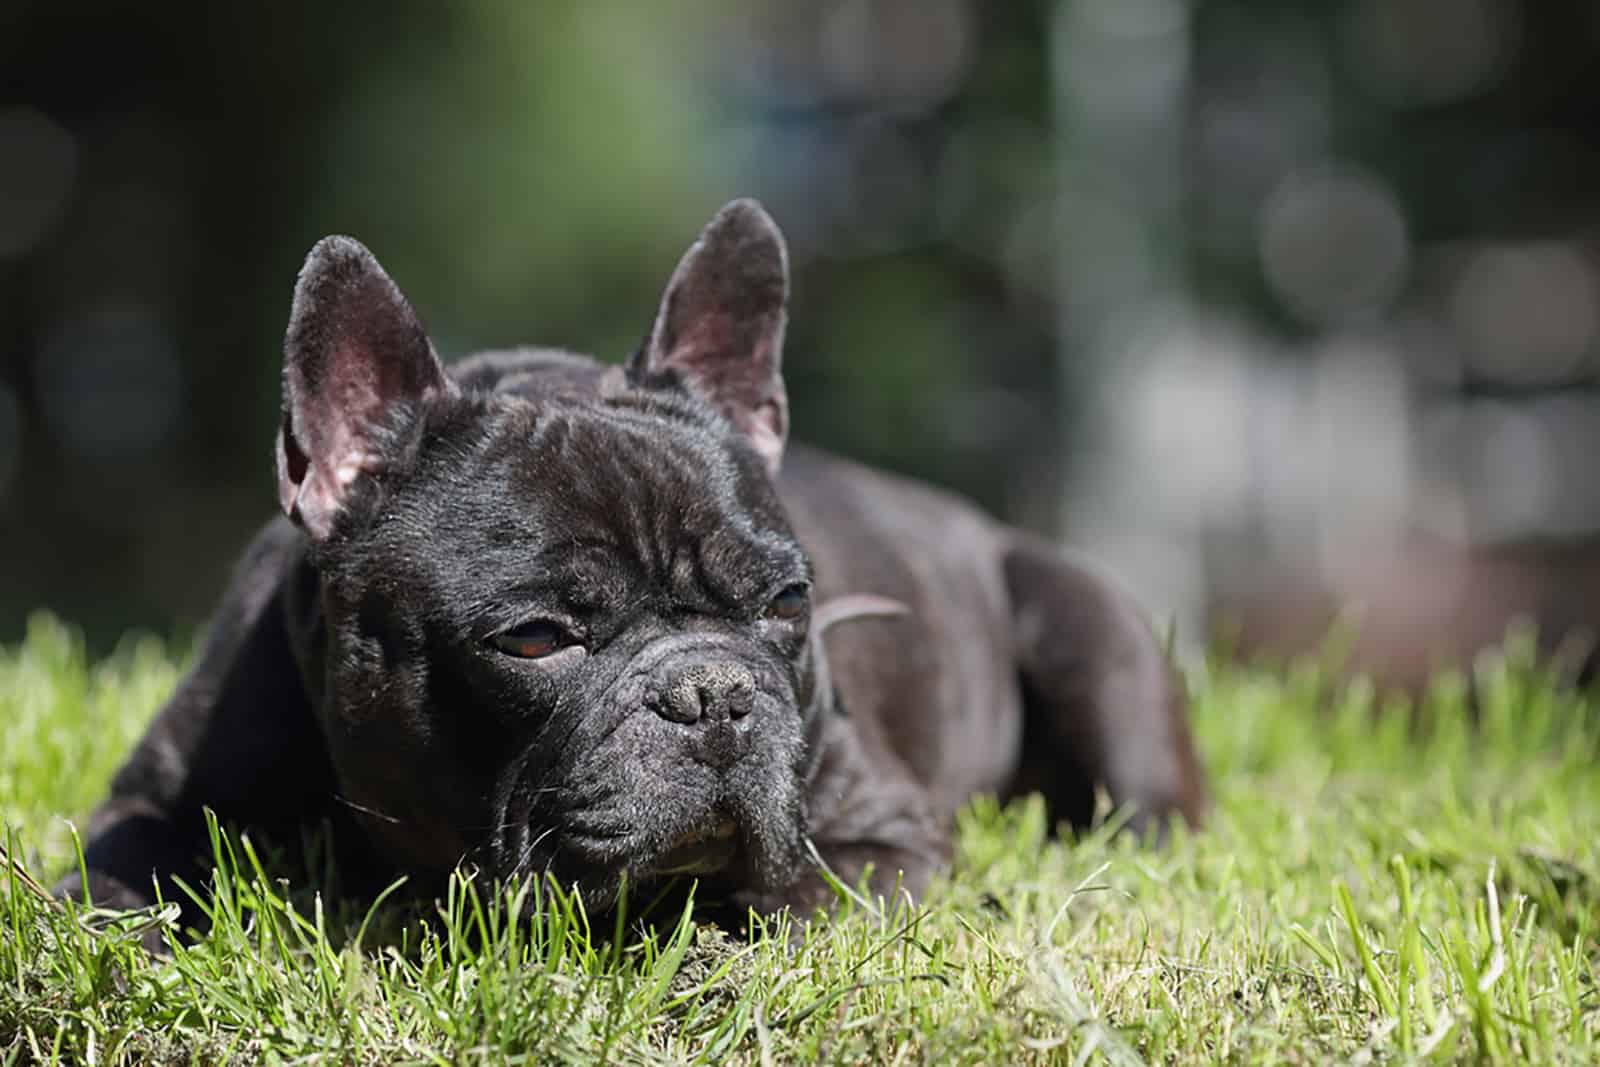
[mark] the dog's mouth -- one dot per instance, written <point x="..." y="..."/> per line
<point x="702" y="851"/>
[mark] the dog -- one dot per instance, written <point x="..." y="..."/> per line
<point x="543" y="615"/>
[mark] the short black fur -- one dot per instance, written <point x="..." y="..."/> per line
<point x="537" y="614"/>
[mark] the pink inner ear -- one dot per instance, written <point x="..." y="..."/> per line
<point x="312" y="490"/>
<point x="764" y="429"/>
<point x="709" y="333"/>
<point x="733" y="369"/>
<point x="324" y="455"/>
<point x="768" y="417"/>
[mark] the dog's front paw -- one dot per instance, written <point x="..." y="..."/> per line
<point x="105" y="891"/>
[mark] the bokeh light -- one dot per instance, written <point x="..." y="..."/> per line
<point x="1244" y="298"/>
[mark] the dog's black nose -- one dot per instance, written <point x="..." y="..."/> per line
<point x="715" y="691"/>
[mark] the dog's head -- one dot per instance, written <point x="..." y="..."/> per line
<point x="565" y="620"/>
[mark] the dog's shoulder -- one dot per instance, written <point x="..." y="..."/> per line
<point x="817" y="480"/>
<point x="870" y="531"/>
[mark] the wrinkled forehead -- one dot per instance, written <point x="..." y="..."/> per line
<point x="603" y="501"/>
<point x="627" y="470"/>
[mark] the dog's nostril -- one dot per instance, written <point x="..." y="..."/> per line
<point x="680" y="702"/>
<point x="741" y="698"/>
<point x="714" y="691"/>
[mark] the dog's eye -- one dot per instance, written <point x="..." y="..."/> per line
<point x="532" y="640"/>
<point x="790" y="604"/>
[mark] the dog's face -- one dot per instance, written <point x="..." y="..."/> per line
<point x="566" y="623"/>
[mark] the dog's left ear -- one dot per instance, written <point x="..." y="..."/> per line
<point x="355" y="354"/>
<point x="720" y="326"/>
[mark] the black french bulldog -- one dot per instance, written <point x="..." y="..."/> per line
<point x="540" y="614"/>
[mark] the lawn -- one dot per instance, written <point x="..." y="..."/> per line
<point x="1364" y="890"/>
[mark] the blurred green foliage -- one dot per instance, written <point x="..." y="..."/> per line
<point x="529" y="172"/>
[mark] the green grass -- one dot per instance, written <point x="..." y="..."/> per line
<point x="1365" y="890"/>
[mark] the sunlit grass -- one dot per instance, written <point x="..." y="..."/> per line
<point x="1366" y="888"/>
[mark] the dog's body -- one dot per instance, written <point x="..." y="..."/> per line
<point x="541" y="614"/>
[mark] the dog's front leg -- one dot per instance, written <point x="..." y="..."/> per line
<point x="236" y="737"/>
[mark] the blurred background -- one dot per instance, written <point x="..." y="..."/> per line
<point x="1281" y="309"/>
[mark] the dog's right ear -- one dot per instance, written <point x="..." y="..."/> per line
<point x="719" y="330"/>
<point x="355" y="352"/>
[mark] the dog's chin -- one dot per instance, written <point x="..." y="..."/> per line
<point x="705" y="851"/>
<point x="718" y="852"/>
